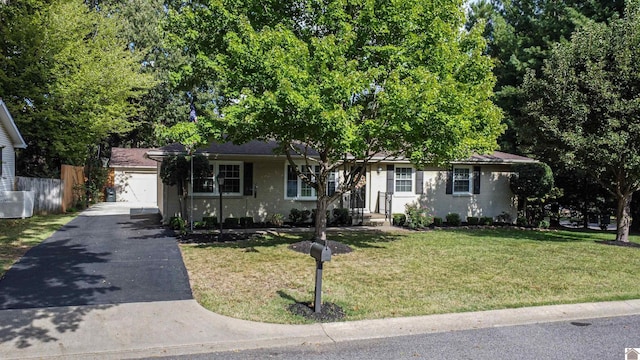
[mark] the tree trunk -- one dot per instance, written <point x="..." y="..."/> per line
<point x="320" y="232"/>
<point x="623" y="214"/>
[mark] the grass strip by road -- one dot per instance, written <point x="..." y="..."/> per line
<point x="414" y="273"/>
<point x="17" y="236"/>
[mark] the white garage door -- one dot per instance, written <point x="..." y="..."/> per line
<point x="136" y="187"/>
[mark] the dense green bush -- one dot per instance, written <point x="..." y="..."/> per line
<point x="544" y="224"/>
<point x="399" y="219"/>
<point x="210" y="222"/>
<point x="522" y="221"/>
<point x="473" y="220"/>
<point x="231" y="222"/>
<point x="277" y="220"/>
<point x="417" y="217"/>
<point x="246" y="222"/>
<point x="504" y="218"/>
<point x="437" y="221"/>
<point x="453" y="219"/>
<point x="486" y="220"/>
<point x="177" y="223"/>
<point x="341" y="216"/>
<point x="299" y="216"/>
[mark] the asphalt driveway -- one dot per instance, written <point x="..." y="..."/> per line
<point x="110" y="254"/>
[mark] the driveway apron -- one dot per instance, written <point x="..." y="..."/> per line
<point x="110" y="254"/>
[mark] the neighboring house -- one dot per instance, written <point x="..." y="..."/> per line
<point x="135" y="177"/>
<point x="259" y="183"/>
<point x="10" y="139"/>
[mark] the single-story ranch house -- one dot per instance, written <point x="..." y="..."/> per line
<point x="259" y="184"/>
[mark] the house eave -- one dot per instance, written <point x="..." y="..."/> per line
<point x="8" y="123"/>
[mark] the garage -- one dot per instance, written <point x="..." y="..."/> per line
<point x="135" y="178"/>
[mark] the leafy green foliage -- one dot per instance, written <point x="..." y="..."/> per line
<point x="341" y="216"/>
<point x="532" y="183"/>
<point x="299" y="216"/>
<point x="332" y="78"/>
<point x="399" y="219"/>
<point x="453" y="219"/>
<point x="585" y="104"/>
<point x="486" y="220"/>
<point x="417" y="217"/>
<point x="531" y="180"/>
<point x="68" y="79"/>
<point x="520" y="36"/>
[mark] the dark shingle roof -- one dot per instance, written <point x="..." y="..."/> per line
<point x="261" y="148"/>
<point x="251" y="148"/>
<point x="500" y="157"/>
<point x="123" y="157"/>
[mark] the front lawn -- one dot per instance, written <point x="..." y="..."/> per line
<point x="17" y="236"/>
<point x="413" y="273"/>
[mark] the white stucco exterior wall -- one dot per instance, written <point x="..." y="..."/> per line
<point x="495" y="196"/>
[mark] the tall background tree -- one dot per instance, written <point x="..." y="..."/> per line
<point x="585" y="105"/>
<point x="520" y="35"/>
<point x="68" y="77"/>
<point x="337" y="82"/>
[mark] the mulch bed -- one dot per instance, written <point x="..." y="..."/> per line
<point x="336" y="247"/>
<point x="204" y="238"/>
<point x="619" y="243"/>
<point x="329" y="312"/>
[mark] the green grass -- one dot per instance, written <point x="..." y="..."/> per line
<point x="416" y="273"/>
<point x="17" y="236"/>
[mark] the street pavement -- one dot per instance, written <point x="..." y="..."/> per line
<point x="111" y="285"/>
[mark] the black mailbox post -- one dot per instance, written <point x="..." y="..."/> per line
<point x="321" y="252"/>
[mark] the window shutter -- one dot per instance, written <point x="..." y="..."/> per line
<point x="476" y="179"/>
<point x="390" y="178"/>
<point x="449" y="189"/>
<point x="419" y="182"/>
<point x="1" y="147"/>
<point x="248" y="179"/>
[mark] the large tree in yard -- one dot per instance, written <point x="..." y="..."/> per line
<point x="586" y="106"/>
<point x="68" y="78"/>
<point x="337" y="82"/>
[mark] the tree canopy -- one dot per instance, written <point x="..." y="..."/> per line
<point x="69" y="79"/>
<point x="585" y="106"/>
<point x="343" y="80"/>
<point x="520" y="36"/>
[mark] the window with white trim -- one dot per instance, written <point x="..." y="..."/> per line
<point x="232" y="171"/>
<point x="462" y="180"/>
<point x="296" y="188"/>
<point x="404" y="179"/>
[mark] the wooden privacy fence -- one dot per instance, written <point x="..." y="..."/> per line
<point x="48" y="193"/>
<point x="54" y="195"/>
<point x="73" y="177"/>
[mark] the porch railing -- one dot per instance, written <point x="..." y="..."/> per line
<point x="384" y="204"/>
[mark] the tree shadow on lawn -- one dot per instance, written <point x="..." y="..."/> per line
<point x="47" y="284"/>
<point x="550" y="235"/>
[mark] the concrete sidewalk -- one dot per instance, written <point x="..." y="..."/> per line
<point x="167" y="328"/>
